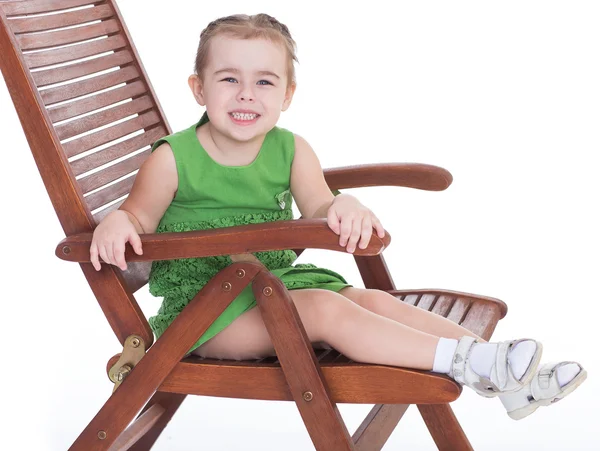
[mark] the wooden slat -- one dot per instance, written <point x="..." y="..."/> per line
<point x="443" y="305"/>
<point x="348" y="383"/>
<point x="115" y="299"/>
<point x="111" y="173"/>
<point x="82" y="106"/>
<point x="43" y="40"/>
<point x="138" y="428"/>
<point x="427" y="301"/>
<point x="107" y="195"/>
<point x="377" y="427"/>
<point x="87" y="123"/>
<point x="118" y="150"/>
<point x="74" y="52"/>
<point x="171" y="403"/>
<point x="92" y="140"/>
<point x="17" y="8"/>
<point x="412" y="299"/>
<point x="67" y="19"/>
<point x="482" y="319"/>
<point x="64" y="73"/>
<point x="459" y="310"/>
<point x="445" y="429"/>
<point x="87" y="86"/>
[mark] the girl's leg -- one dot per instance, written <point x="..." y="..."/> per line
<point x="385" y="304"/>
<point x="327" y="316"/>
<point x="566" y="375"/>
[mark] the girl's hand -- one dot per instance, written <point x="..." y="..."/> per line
<point x="351" y="220"/>
<point x="110" y="237"/>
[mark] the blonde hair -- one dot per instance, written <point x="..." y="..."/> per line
<point x="242" y="26"/>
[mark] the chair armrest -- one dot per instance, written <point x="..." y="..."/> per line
<point x="276" y="235"/>
<point x="410" y="175"/>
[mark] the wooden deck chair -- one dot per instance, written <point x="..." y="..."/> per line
<point x="76" y="132"/>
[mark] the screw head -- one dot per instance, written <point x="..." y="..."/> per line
<point x="240" y="273"/>
<point x="226" y="286"/>
<point x="267" y="291"/>
<point x="101" y="435"/>
<point x="135" y="342"/>
<point x="307" y="396"/>
<point x="66" y="250"/>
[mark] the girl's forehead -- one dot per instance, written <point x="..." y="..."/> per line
<point x="234" y="52"/>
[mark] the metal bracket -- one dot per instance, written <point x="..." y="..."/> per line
<point x="133" y="351"/>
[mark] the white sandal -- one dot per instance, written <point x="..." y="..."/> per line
<point x="502" y="379"/>
<point x="545" y="390"/>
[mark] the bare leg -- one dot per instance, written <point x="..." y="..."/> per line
<point x="385" y="304"/>
<point x="327" y="316"/>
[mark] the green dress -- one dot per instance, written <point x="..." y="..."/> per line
<point x="209" y="196"/>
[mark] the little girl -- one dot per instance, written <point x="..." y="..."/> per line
<point x="235" y="166"/>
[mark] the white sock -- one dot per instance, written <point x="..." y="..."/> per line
<point x="518" y="399"/>
<point x="483" y="357"/>
<point x="444" y="353"/>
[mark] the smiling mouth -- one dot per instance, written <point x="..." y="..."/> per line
<point x="244" y="116"/>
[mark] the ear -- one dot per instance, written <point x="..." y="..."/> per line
<point x="197" y="89"/>
<point x="289" y="94"/>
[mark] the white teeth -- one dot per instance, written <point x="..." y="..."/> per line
<point x="244" y="116"/>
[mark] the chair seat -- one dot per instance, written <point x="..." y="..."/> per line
<point x="348" y="381"/>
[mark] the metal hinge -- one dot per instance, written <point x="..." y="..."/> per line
<point x="133" y="351"/>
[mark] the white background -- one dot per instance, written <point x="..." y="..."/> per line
<point x="505" y="95"/>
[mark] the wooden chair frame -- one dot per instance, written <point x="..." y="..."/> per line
<point x="153" y="379"/>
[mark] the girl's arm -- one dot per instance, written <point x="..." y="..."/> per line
<point x="346" y="216"/>
<point x="153" y="190"/>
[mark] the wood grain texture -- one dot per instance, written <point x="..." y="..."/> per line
<point x="72" y="53"/>
<point x="68" y="72"/>
<point x="302" y="372"/>
<point x="170" y="402"/>
<point x="139" y="428"/>
<point x="108" y="285"/>
<point x="348" y="382"/>
<point x="42" y="6"/>
<point x="411" y="175"/>
<point x="377" y="427"/>
<point x="81" y="106"/>
<point x="133" y="393"/>
<point x="80" y="88"/>
<point x="36" y="41"/>
<point x="276" y="235"/>
<point x="67" y="19"/>
<point x="445" y="429"/>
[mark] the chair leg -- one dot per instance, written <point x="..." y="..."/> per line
<point x="170" y="402"/>
<point x="141" y="384"/>
<point x="377" y="427"/>
<point x="299" y="364"/>
<point x="444" y="427"/>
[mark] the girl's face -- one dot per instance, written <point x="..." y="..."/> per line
<point x="244" y="86"/>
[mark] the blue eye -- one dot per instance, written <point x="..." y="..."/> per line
<point x="229" y="78"/>
<point x="266" y="81"/>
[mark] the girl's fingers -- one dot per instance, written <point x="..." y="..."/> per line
<point x="94" y="256"/>
<point x="103" y="254"/>
<point x="119" y="255"/>
<point x="346" y="230"/>
<point x="366" y="232"/>
<point x="355" y="235"/>
<point x="136" y="243"/>
<point x="332" y="221"/>
<point x="378" y="227"/>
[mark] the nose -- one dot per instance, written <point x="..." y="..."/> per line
<point x="245" y="94"/>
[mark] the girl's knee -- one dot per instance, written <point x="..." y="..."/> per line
<point x="318" y="309"/>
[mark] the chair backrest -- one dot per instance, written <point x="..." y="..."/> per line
<point x="89" y="114"/>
